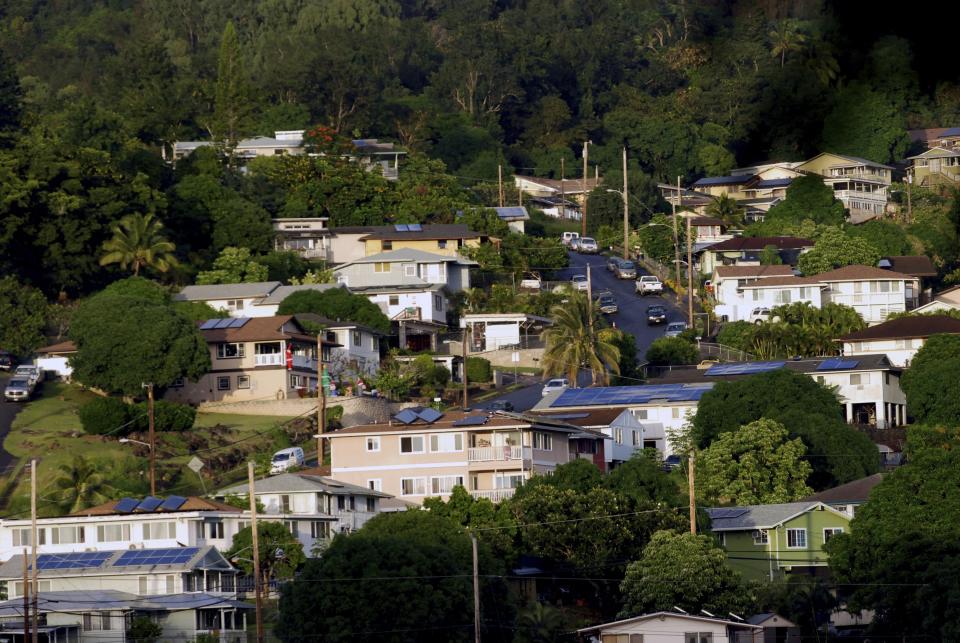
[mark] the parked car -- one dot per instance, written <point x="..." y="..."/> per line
<point x="531" y="281"/>
<point x="671" y="462"/>
<point x="649" y="285"/>
<point x="674" y="329"/>
<point x="626" y="269"/>
<point x="286" y="459"/>
<point x="612" y="263"/>
<point x="579" y="282"/>
<point x="18" y="389"/>
<point x="656" y="315"/>
<point x="588" y="246"/>
<point x="32" y="373"/>
<point x="567" y="237"/>
<point x="575" y="244"/>
<point x="607" y="305"/>
<point x="759" y="315"/>
<point x="552" y="386"/>
<point x="7" y="362"/>
<point x="501" y="405"/>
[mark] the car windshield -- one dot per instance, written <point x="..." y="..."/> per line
<point x="587" y="240"/>
<point x="16" y="383"/>
<point x="627" y="264"/>
<point x="281" y="457"/>
<point x="556" y="383"/>
<point x="607" y="300"/>
<point x="680" y="326"/>
<point x="656" y="310"/>
<point x="580" y="278"/>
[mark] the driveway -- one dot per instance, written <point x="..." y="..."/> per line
<point x="8" y="410"/>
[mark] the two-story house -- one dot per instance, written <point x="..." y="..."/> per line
<point x="873" y="292"/>
<point x="355" y="348"/>
<point x="705" y="230"/>
<point x="307" y="236"/>
<point x="254" y="358"/>
<point x="726" y="285"/>
<point x="259" y="299"/>
<point x="573" y="189"/>
<point x="860" y="184"/>
<point x="773" y="541"/>
<point x="899" y="339"/>
<point x="624" y="432"/>
<point x="776" y="291"/>
<point x="438" y="239"/>
<point x="740" y="251"/>
<point x="421" y="453"/>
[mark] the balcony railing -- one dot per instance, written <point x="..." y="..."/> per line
<point x="269" y="359"/>
<point x="494" y="495"/>
<point x="305" y="362"/>
<point x="497" y="454"/>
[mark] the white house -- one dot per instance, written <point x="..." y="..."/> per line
<point x="776" y="291"/>
<point x="494" y="331"/>
<point x="406" y="267"/>
<point x="307" y="236"/>
<point x="859" y="183"/>
<point x="873" y="292"/>
<point x="727" y="282"/>
<point x="258" y="299"/>
<point x="56" y="359"/>
<point x="899" y="339"/>
<point x="625" y="433"/>
<point x="746" y="251"/>
<point x="359" y="345"/>
<point x="671" y="627"/>
<point x="945" y="300"/>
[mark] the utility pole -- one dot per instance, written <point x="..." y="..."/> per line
<point x="626" y="209"/>
<point x="563" y="196"/>
<point x="500" y="184"/>
<point x="33" y="544"/>
<point x="909" y="199"/>
<point x="466" y="398"/>
<point x="322" y="406"/>
<point x="476" y="590"/>
<point x="153" y="443"/>
<point x="691" y="473"/>
<point x="689" y="275"/>
<point x="676" y="245"/>
<point x="26" y="596"/>
<point x="256" y="552"/>
<point x="586" y="156"/>
<point x="590" y="300"/>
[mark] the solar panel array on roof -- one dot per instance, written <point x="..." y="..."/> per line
<point x="837" y="364"/>
<point x="732" y="512"/>
<point x="406" y="416"/>
<point x="210" y="323"/>
<point x="744" y="368"/>
<point x="429" y="415"/>
<point x="126" y="505"/>
<point x="150" y="503"/>
<point x="630" y="395"/>
<point x="408" y="227"/>
<point x="471" y="420"/>
<point x="77" y="560"/>
<point x="173" y="556"/>
<point x="173" y="503"/>
<point x="774" y="183"/>
<point x="238" y="322"/>
<point x="224" y="323"/>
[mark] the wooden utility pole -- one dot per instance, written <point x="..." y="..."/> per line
<point x="33" y="544"/>
<point x="466" y="396"/>
<point x="476" y="590"/>
<point x="676" y="245"/>
<point x="909" y="199"/>
<point x="691" y="473"/>
<point x="26" y="596"/>
<point x="689" y="275"/>
<point x="153" y="443"/>
<point x="256" y="552"/>
<point x="322" y="406"/>
<point x="563" y="196"/>
<point x="500" y="184"/>
<point x="586" y="156"/>
<point x="626" y="209"/>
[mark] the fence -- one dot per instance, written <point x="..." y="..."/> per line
<point x="725" y="353"/>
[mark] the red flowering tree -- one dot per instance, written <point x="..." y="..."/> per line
<point x="326" y="140"/>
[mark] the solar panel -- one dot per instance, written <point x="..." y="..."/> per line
<point x="837" y="364"/>
<point x="415" y="227"/>
<point x="77" y="560"/>
<point x="733" y="512"/>
<point x="406" y="416"/>
<point x="223" y="323"/>
<point x="210" y="323"/>
<point x="471" y="420"/>
<point x="126" y="505"/>
<point x="430" y="415"/>
<point x="150" y="503"/>
<point x="631" y="395"/>
<point x="172" y="556"/>
<point x="173" y="503"/>
<point x="238" y="322"/>
<point x="401" y="227"/>
<point x="744" y="368"/>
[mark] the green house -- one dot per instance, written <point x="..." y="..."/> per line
<point x="771" y="541"/>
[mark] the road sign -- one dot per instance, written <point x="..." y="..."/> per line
<point x="195" y="464"/>
<point x="515" y="357"/>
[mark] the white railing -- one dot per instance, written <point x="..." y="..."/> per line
<point x="485" y="454"/>
<point x="494" y="495"/>
<point x="877" y="196"/>
<point x="269" y="359"/>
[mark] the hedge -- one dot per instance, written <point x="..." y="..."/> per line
<point x="478" y="370"/>
<point x="106" y="415"/>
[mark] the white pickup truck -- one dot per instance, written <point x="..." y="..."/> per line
<point x="649" y="285"/>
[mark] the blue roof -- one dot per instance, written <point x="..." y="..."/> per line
<point x="722" y="180"/>
<point x="953" y="131"/>
<point x="838" y="364"/>
<point x="630" y="395"/>
<point x="169" y="556"/>
<point x="743" y="368"/>
<point x="774" y="183"/>
<point x="514" y="212"/>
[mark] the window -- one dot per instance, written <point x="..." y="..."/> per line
<point x="757" y="294"/>
<point x="230" y="351"/>
<point x="357" y="339"/>
<point x="66" y="535"/>
<point x="446" y="442"/>
<point x="234" y="304"/>
<point x="342" y="503"/>
<point x="243" y="381"/>
<point x="640" y="414"/>
<point x="409" y="270"/>
<point x="805" y="292"/>
<point x="394" y="300"/>
<point x="444" y="484"/>
<point x="441" y="243"/>
<point x="508" y="481"/>
<point x="830" y="532"/>
<point x="698" y="637"/>
<point x="386" y="245"/>
<point x="413" y="486"/>
<point x="855" y="379"/>
<point x="223" y="383"/>
<point x="292" y="527"/>
<point x="159" y="530"/>
<point x="438" y="302"/>
<point x="637" y="438"/>
<point x="113" y="533"/>
<point x="722" y="539"/>
<point x="215" y="529"/>
<point x="542" y="441"/>
<point x="373" y="443"/>
<point x="783" y="297"/>
<point x="796" y="538"/>
<point x="285" y="503"/>
<point x="142" y="585"/>
<point x="21" y="537"/>
<point x="371" y="504"/>
<point x="298" y="381"/>
<point x="675" y="413"/>
<point x="821" y="380"/>
<point x="96" y="621"/>
<point x="375" y="484"/>
<point x="319" y="529"/>
<point x="761" y="537"/>
<point x="381" y="266"/>
<point x="411" y="444"/>
<point x="177" y="383"/>
<point x="621" y="638"/>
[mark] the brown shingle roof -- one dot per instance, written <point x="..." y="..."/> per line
<point x="907" y="328"/>
<point x="735" y="272"/>
<point x="259" y="329"/>
<point x="60" y="347"/>
<point x="759" y="243"/>
<point x="193" y="503"/>
<point x="783" y="281"/>
<point x="913" y="265"/>
<point x="570" y="186"/>
<point x="436" y="231"/>
<point x="586" y="418"/>
<point x="857" y="491"/>
<point x="861" y="273"/>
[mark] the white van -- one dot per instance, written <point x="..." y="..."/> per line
<point x="286" y="459"/>
<point x="567" y="237"/>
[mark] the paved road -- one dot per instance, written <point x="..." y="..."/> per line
<point x="631" y="318"/>
<point x="7" y="412"/>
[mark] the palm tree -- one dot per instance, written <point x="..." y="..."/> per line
<point x="138" y="243"/>
<point x="81" y="484"/>
<point x="726" y="209"/>
<point x="574" y="343"/>
<point x="785" y="37"/>
<point x="542" y="623"/>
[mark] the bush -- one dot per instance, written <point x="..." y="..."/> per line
<point x="167" y="416"/>
<point x="106" y="415"/>
<point x="144" y="630"/>
<point x="478" y="370"/>
<point x="738" y="335"/>
<point x="668" y="351"/>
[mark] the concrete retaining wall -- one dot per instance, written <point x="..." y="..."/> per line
<point x="356" y="409"/>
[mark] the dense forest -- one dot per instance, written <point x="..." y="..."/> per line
<point x="92" y="91"/>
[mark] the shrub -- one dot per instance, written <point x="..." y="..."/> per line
<point x="478" y="370"/>
<point x="105" y="415"/>
<point x="167" y="416"/>
<point x="667" y="351"/>
<point x="144" y="630"/>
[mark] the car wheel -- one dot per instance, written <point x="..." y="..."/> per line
<point x="759" y="322"/>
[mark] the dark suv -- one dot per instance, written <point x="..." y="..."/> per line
<point x="656" y="315"/>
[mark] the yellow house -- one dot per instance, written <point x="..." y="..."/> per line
<point x="939" y="166"/>
<point x="860" y="184"/>
<point x="441" y="239"/>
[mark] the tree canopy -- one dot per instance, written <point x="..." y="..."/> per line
<point x="932" y="383"/>
<point x="338" y="304"/>
<point x="23" y="317"/>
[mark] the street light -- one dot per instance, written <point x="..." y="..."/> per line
<point x="153" y="458"/>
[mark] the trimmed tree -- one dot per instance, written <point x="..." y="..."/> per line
<point x="23" y="316"/>
<point x="280" y="551"/>
<point x="932" y="383"/>
<point x="338" y="304"/>
<point x="667" y="351"/>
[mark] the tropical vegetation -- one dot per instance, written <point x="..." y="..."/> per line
<point x="579" y="339"/>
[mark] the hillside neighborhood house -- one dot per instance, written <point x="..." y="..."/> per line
<point x="257" y="299"/>
<point x="899" y="339"/>
<point x="746" y="251"/>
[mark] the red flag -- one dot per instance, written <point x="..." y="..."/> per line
<point x="289" y="357"/>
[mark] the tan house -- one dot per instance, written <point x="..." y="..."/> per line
<point x="441" y="239"/>
<point x="421" y="453"/>
<point x="860" y="184"/>
<point x="254" y="359"/>
<point x="936" y="167"/>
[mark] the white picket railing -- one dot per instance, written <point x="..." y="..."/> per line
<point x="484" y="454"/>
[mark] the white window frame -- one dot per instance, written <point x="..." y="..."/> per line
<point x="78" y="535"/>
<point x="542" y="441"/>
<point x="124" y="533"/>
<point x="856" y="379"/>
<point x="797" y="533"/>
<point x="833" y="531"/>
<point x="381" y="266"/>
<point x="373" y="443"/>
<point x="319" y="529"/>
<point x="437" y="442"/>
<point x="357" y="337"/>
<point x="440" y="485"/>
<point x="160" y="530"/>
<point x="618" y="434"/>
<point x="764" y="538"/>
<point x="375" y="484"/>
<point x="416" y="484"/>
<point x="243" y="381"/>
<point x="240" y="348"/>
<point x="423" y="444"/>
<point x="409" y="270"/>
<point x="223" y="382"/>
<point x="393" y="300"/>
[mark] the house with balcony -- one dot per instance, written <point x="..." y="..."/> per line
<point x="421" y="452"/>
<point x="874" y="293"/>
<point x="565" y="189"/>
<point x="255" y="358"/>
<point x="899" y="339"/>
<point x="768" y="293"/>
<point x="726" y="282"/>
<point x="307" y="236"/>
<point x="259" y="299"/>
<point x="438" y="239"/>
<point x="624" y="432"/>
<point x="355" y="348"/>
<point x="860" y="184"/>
<point x="746" y="251"/>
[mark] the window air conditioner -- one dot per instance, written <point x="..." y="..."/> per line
<point x="757" y="534"/>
